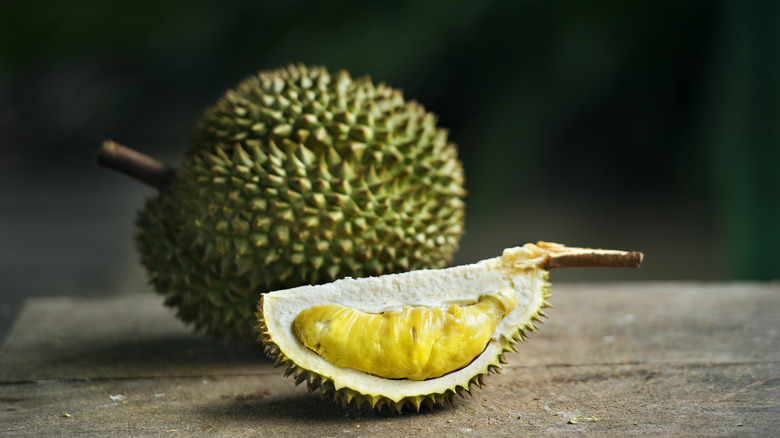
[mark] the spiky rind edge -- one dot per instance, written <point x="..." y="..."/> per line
<point x="349" y="397"/>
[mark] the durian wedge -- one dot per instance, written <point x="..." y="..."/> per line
<point x="370" y="327"/>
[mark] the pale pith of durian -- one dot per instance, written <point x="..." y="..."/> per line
<point x="420" y="337"/>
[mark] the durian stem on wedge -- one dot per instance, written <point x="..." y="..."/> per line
<point x="142" y="167"/>
<point x="559" y="256"/>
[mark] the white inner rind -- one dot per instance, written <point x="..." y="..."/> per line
<point x="435" y="288"/>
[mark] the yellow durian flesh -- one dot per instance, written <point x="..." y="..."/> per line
<point x="413" y="342"/>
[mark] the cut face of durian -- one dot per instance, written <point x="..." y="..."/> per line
<point x="416" y="338"/>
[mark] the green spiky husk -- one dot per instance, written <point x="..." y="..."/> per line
<point x="348" y="397"/>
<point x="300" y="177"/>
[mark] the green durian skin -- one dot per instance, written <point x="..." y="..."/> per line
<point x="300" y="177"/>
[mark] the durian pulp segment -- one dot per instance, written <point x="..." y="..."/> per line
<point x="518" y="269"/>
<point x="413" y="342"/>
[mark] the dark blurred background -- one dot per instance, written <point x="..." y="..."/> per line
<point x="650" y="126"/>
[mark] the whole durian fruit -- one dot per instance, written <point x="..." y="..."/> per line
<point x="299" y="176"/>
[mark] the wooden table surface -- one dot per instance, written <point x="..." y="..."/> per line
<point x="613" y="360"/>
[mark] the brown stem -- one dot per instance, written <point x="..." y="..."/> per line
<point x="595" y="259"/>
<point x="131" y="162"/>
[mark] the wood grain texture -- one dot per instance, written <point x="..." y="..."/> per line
<point x="612" y="360"/>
